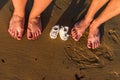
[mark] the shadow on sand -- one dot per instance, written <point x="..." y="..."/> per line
<point x="75" y="9"/>
<point x="2" y="3"/>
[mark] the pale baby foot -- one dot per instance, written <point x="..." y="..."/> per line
<point x="34" y="29"/>
<point x="16" y="27"/>
<point x="93" y="37"/>
<point x="78" y="29"/>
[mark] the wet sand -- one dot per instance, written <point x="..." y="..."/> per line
<point x="47" y="59"/>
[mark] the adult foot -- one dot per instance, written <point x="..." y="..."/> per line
<point x="93" y="36"/>
<point x="78" y="29"/>
<point x="16" y="27"/>
<point x="34" y="28"/>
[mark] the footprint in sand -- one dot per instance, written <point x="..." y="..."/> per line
<point x="113" y="76"/>
<point x="8" y="77"/>
<point x="114" y="36"/>
<point x="83" y="57"/>
<point x="105" y="52"/>
<point x="86" y="58"/>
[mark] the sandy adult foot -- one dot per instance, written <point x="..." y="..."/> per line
<point x="93" y="36"/>
<point x="78" y="29"/>
<point x="34" y="29"/>
<point x="16" y="27"/>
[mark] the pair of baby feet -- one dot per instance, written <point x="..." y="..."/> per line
<point x="16" y="27"/>
<point x="93" y="36"/>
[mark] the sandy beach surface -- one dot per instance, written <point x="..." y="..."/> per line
<point x="47" y="59"/>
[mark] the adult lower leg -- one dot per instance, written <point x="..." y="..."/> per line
<point x="38" y="7"/>
<point x="80" y="27"/>
<point x="112" y="9"/>
<point x="16" y="26"/>
<point x="19" y="7"/>
<point x="94" y="7"/>
<point x="34" y="23"/>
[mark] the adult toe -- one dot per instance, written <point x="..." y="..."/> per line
<point x="12" y="33"/>
<point x="89" y="44"/>
<point x="36" y="35"/>
<point x="93" y="45"/>
<point x="29" y="34"/>
<point x="19" y="35"/>
<point x="98" y="44"/>
<point x="15" y="34"/>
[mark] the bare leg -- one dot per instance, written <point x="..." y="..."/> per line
<point x="112" y="9"/>
<point x="80" y="27"/>
<point x="34" y="23"/>
<point x="16" y="26"/>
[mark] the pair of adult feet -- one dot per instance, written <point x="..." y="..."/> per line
<point x="93" y="36"/>
<point x="16" y="27"/>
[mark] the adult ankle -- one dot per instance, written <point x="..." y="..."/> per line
<point x="88" y="19"/>
<point x="19" y="13"/>
<point x="34" y="17"/>
<point x="95" y="24"/>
